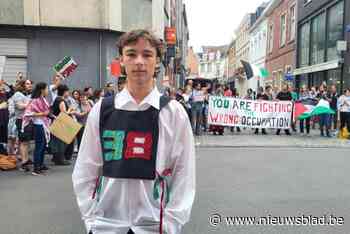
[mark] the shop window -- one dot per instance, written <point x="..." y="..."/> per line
<point x="335" y="29"/>
<point x="318" y="39"/>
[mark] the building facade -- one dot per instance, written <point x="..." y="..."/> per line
<point x="321" y="34"/>
<point x="192" y="64"/>
<point x="257" y="51"/>
<point x="242" y="52"/>
<point x="281" y="42"/>
<point x="212" y="62"/>
<point x="35" y="35"/>
<point x="231" y="67"/>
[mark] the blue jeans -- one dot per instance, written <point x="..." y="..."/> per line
<point x="197" y="114"/>
<point x="40" y="144"/>
<point x="325" y="121"/>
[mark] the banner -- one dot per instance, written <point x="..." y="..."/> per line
<point x="66" y="66"/>
<point x="65" y="128"/>
<point x="227" y="111"/>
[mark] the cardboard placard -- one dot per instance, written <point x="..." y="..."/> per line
<point x="65" y="128"/>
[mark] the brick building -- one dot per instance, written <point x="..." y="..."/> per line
<point x="281" y="42"/>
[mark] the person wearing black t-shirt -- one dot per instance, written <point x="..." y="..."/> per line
<point x="284" y="95"/>
<point x="262" y="96"/>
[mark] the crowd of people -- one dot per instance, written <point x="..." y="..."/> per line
<point x="26" y="111"/>
<point x="195" y="100"/>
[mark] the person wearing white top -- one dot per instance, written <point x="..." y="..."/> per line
<point x="158" y="195"/>
<point x="344" y="109"/>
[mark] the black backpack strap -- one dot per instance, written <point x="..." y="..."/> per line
<point x="163" y="101"/>
<point x="107" y="106"/>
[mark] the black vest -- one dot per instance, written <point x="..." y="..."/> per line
<point x="129" y="140"/>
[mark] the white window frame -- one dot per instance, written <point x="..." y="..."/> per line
<point x="292" y="23"/>
<point x="283" y="34"/>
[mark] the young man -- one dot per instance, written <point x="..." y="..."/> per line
<point x="135" y="171"/>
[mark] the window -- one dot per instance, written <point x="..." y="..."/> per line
<point x="202" y="68"/>
<point x="307" y="2"/>
<point x="283" y="30"/>
<point x="270" y="38"/>
<point x="292" y="23"/>
<point x="304" y="47"/>
<point x="318" y="38"/>
<point x="335" y="29"/>
<point x="210" y="67"/>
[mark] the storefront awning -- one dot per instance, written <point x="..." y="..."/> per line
<point x="318" y="67"/>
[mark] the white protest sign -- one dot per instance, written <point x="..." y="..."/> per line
<point x="227" y="111"/>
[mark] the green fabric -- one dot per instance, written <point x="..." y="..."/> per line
<point x="264" y="73"/>
<point x="319" y="110"/>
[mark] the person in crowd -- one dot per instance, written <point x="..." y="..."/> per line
<point x="121" y="83"/>
<point x="235" y="93"/>
<point x="60" y="150"/>
<point x="187" y="95"/>
<point x="12" y="130"/>
<point x="83" y="110"/>
<point x="269" y="92"/>
<point x="227" y="91"/>
<point x="37" y="112"/>
<point x="56" y="81"/>
<point x="89" y="92"/>
<point x="333" y="97"/>
<point x="305" y="123"/>
<point x="325" y="119"/>
<point x="264" y="97"/>
<point x="250" y="94"/>
<point x="109" y="90"/>
<point x="21" y="100"/>
<point x="98" y="95"/>
<point x="74" y="99"/>
<point x="168" y="161"/>
<point x="205" y="108"/>
<point x="19" y="76"/>
<point x="295" y="97"/>
<point x="344" y="110"/>
<point x="284" y="95"/>
<point x="197" y="97"/>
<point x="5" y="95"/>
<point x="313" y="95"/>
<point x="313" y="92"/>
<point x="275" y="92"/>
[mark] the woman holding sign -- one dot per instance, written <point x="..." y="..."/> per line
<point x="59" y="149"/>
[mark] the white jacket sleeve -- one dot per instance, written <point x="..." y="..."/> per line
<point x="182" y="187"/>
<point x="88" y="166"/>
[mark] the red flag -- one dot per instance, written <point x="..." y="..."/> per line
<point x="115" y="68"/>
<point x="299" y="109"/>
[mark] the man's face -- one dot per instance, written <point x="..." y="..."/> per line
<point x="333" y="89"/>
<point x="140" y="61"/>
<point x="57" y="80"/>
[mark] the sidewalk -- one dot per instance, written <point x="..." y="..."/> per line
<point x="247" y="138"/>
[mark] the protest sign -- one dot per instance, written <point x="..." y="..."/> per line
<point x="65" y="67"/>
<point x="65" y="128"/>
<point x="227" y="111"/>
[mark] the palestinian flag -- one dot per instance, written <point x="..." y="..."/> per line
<point x="66" y="66"/>
<point x="321" y="108"/>
<point x="254" y="71"/>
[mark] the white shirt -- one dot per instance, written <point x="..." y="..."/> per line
<point x="53" y="93"/>
<point x="128" y="203"/>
